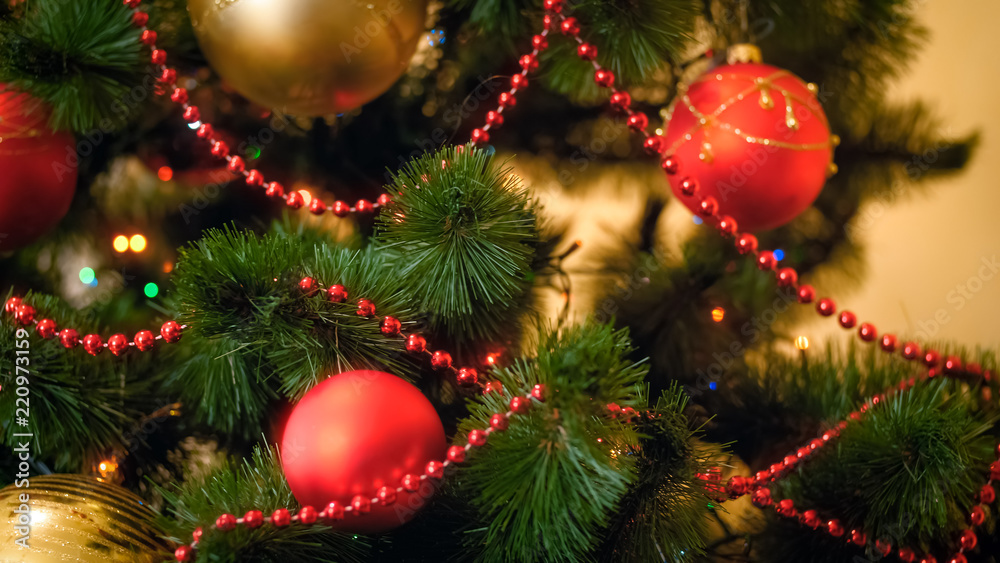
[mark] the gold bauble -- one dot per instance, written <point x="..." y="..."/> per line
<point x="77" y="518"/>
<point x="309" y="57"/>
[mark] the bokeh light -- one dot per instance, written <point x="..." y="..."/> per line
<point x="718" y="314"/>
<point x="151" y="290"/>
<point x="120" y="243"/>
<point x="802" y="343"/>
<point x="165" y="173"/>
<point x="137" y="243"/>
<point x="87" y="275"/>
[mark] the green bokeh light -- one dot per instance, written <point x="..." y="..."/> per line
<point x="87" y="275"/>
<point x="152" y="290"/>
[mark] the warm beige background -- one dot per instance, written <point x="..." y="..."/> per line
<point x="919" y="250"/>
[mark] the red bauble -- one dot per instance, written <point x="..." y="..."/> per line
<point x="37" y="170"/>
<point x="355" y="433"/>
<point x="757" y="140"/>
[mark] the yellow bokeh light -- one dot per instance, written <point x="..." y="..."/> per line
<point x="306" y="196"/>
<point x="120" y="243"/>
<point x="802" y="343"/>
<point x="137" y="243"/>
<point x="718" y="314"/>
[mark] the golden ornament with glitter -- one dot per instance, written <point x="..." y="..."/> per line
<point x="75" y="518"/>
<point x="309" y="57"/>
<point x="754" y="137"/>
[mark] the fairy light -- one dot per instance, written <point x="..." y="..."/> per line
<point x="306" y="197"/>
<point x="137" y="243"/>
<point x="165" y="173"/>
<point x="802" y="343"/>
<point x="87" y="275"/>
<point x="718" y="314"/>
<point x="120" y="243"/>
<point x="151" y="290"/>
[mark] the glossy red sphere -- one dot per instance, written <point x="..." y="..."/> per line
<point x="355" y="433"/>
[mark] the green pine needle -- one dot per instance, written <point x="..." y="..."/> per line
<point x="465" y="235"/>
<point x="547" y="486"/>
<point x="255" y="484"/>
<point x="81" y="57"/>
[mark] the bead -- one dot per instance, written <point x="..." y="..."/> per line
<point x="467" y="377"/>
<point x="308" y="515"/>
<point x="737" y="486"/>
<point x="205" y="131"/>
<point x="867" y="332"/>
<point x="366" y="308"/>
<point x="92" y="344"/>
<point x="620" y="101"/>
<point x="689" y="186"/>
<point x="766" y="261"/>
<point x="762" y="476"/>
<point x="518" y="81"/>
<point x="787" y="277"/>
<point x="253" y="519"/>
<point x="811" y="518"/>
<point x="637" y="121"/>
<point x="24" y="314"/>
<point x="708" y="207"/>
<point x="140" y="19"/>
<point x="539" y="42"/>
<point x="441" y="360"/>
<point x="168" y="76"/>
<point x="225" y="522"/>
<point x="906" y="554"/>
<point x="586" y="51"/>
<point x="183" y="553"/>
<point x="386" y="495"/>
<point x="538" y="392"/>
<point x="434" y="469"/>
<point x="911" y="351"/>
<point x="308" y="286"/>
<point x="977" y="515"/>
<point x="479" y="136"/>
<point x="790" y="461"/>
<point x="118" y="344"/>
<point x="549" y="22"/>
<point x="179" y="96"/>
<point x="281" y="517"/>
<point x="987" y="495"/>
<point x="848" y="319"/>
<point x="411" y="482"/>
<point x="952" y="365"/>
<point x="670" y="165"/>
<point x="46" y="328"/>
<point x="191" y="114"/>
<point x="654" y="144"/>
<point x="786" y="508"/>
<point x="494" y="118"/>
<point x="341" y="209"/>
<point x="390" y="326"/>
<point x="144" y="340"/>
<point x="968" y="540"/>
<point x="570" y="26"/>
<point x="835" y="528"/>
<point x="275" y="190"/>
<point x="520" y="405"/>
<point x="806" y="294"/>
<point x="931" y="358"/>
<point x="826" y="307"/>
<point x="170" y="331"/>
<point x="295" y="200"/>
<point x="761" y="498"/>
<point x="316" y="206"/>
<point x="69" y="338"/>
<point x="364" y="206"/>
<point x="555" y="6"/>
<point x="604" y="78"/>
<point x="196" y="534"/>
<point x="506" y="99"/>
<point x="131" y="3"/>
<point x="255" y="178"/>
<point x="11" y="305"/>
<point x="928" y="559"/>
<point x="416" y="343"/>
<point x="334" y="511"/>
<point x="888" y="343"/>
<point x="499" y="422"/>
<point x="528" y="62"/>
<point x="158" y="57"/>
<point x="859" y="538"/>
<point x="883" y="547"/>
<point x="746" y="244"/>
<point x="456" y="454"/>
<point x="237" y="165"/>
<point x="477" y="438"/>
<point x="148" y="37"/>
<point x="958" y="558"/>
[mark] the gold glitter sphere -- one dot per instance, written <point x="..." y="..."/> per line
<point x="309" y="57"/>
<point x="76" y="518"/>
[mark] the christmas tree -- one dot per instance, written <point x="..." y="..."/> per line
<point x="295" y="281"/>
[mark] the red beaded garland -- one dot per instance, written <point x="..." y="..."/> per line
<point x="275" y="190"/>
<point x="604" y="78"/>
<point x="281" y="517"/>
<point x="253" y="519"/>
<point x="183" y="553"/>
<point x="92" y="344"/>
<point x="826" y="307"/>
<point x="170" y="331"/>
<point x="69" y="338"/>
<point x="386" y="495"/>
<point x="620" y="101"/>
<point x="416" y="344"/>
<point x="295" y="200"/>
<point x="435" y="469"/>
<point x="848" y="319"/>
<point x="456" y="454"/>
<point x="24" y="314"/>
<point x="225" y="522"/>
<point x="835" y="528"/>
<point x="477" y="437"/>
<point x="766" y="261"/>
<point x="118" y="344"/>
<point x="746" y="243"/>
<point x="499" y="422"/>
<point x="366" y="308"/>
<point x="308" y="515"/>
<point x="46" y="328"/>
<point x="467" y="377"/>
<point x="390" y="326"/>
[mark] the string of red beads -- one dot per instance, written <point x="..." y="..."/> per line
<point x="167" y="81"/>
<point x="386" y="495"/>
<point x="118" y="344"/>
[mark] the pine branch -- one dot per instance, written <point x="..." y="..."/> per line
<point x="464" y="237"/>
<point x="255" y="484"/>
<point x="545" y="487"/>
<point x="82" y="58"/>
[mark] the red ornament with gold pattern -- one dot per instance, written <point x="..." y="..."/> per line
<point x="752" y="136"/>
